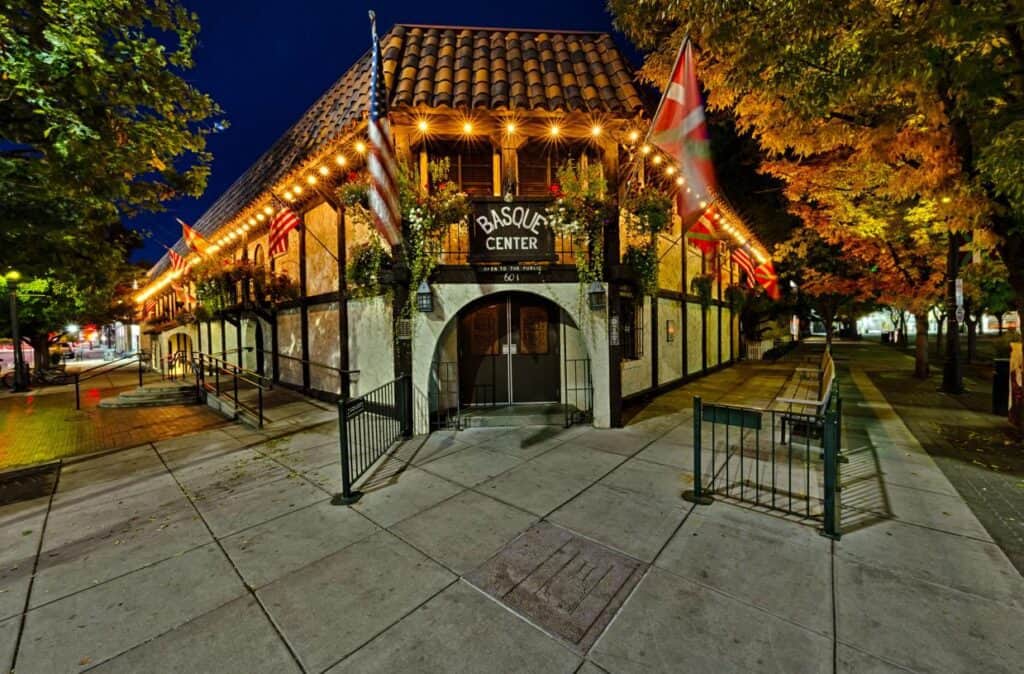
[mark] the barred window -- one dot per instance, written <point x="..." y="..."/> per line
<point x="631" y="324"/>
<point x="472" y="164"/>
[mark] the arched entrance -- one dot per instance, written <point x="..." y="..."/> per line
<point x="509" y="351"/>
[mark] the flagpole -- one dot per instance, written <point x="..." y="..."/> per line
<point x="664" y="93"/>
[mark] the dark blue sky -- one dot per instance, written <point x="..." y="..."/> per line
<point x="266" y="61"/>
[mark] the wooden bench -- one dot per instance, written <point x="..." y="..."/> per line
<point x="806" y="396"/>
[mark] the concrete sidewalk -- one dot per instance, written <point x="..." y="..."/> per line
<point x="534" y="549"/>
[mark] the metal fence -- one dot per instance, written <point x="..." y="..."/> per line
<point x="774" y="459"/>
<point x="369" y="425"/>
<point x="579" y="392"/>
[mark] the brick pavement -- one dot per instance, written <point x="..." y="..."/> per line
<point x="43" y="425"/>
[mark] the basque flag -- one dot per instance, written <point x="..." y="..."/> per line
<point x="193" y="239"/>
<point x="766" y="276"/>
<point x="680" y="131"/>
<point x="280" y="227"/>
<point x="381" y="162"/>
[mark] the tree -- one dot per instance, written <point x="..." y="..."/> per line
<point x="920" y="102"/>
<point x="98" y="122"/>
<point x="824" y="276"/>
<point x="986" y="290"/>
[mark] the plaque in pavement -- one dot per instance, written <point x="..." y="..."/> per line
<point x="567" y="584"/>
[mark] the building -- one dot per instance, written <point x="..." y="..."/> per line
<point x="521" y="305"/>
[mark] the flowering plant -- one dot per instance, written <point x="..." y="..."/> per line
<point x="580" y="211"/>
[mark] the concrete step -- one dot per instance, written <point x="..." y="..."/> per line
<point x="153" y="396"/>
<point x="513" y="416"/>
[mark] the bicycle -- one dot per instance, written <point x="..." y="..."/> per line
<point x="53" y="376"/>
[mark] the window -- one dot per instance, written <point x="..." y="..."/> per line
<point x="631" y="324"/>
<point x="538" y="163"/>
<point x="472" y="165"/>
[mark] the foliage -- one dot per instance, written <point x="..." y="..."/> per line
<point x="99" y="121"/>
<point x="643" y="260"/>
<point x="986" y="287"/>
<point x="870" y="111"/>
<point x="217" y="282"/>
<point x="580" y="211"/>
<point x="428" y="214"/>
<point x="649" y="210"/>
<point x="701" y="287"/>
<point x="366" y="260"/>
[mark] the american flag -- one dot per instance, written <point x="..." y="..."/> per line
<point x="148" y="308"/>
<point x="177" y="261"/>
<point x="746" y="263"/>
<point x="381" y="162"/>
<point x="283" y="223"/>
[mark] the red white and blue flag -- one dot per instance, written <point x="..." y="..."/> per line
<point x="177" y="261"/>
<point x="382" y="164"/>
<point x="742" y="258"/>
<point x="280" y="227"/>
<point x="680" y="131"/>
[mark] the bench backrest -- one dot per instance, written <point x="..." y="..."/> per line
<point x="828" y="375"/>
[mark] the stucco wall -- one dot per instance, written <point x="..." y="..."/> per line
<point x="670" y="354"/>
<point x="712" y="328"/>
<point x="324" y="347"/>
<point x="289" y="343"/>
<point x="321" y="246"/>
<point x="371" y="343"/>
<point x="450" y="298"/>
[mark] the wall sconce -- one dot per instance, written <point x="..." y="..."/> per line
<point x="670" y="330"/>
<point x="596" y="296"/>
<point x="424" y="298"/>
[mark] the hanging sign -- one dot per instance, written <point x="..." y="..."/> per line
<point x="510" y="231"/>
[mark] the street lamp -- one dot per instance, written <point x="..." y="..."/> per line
<point x="12" y="277"/>
<point x="596" y="296"/>
<point x="424" y="298"/>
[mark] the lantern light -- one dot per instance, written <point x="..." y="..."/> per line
<point x="422" y="125"/>
<point x="467" y="127"/>
<point x="510" y="128"/>
<point x="596" y="296"/>
<point x="424" y="298"/>
<point x="554" y="130"/>
<point x="595" y="130"/>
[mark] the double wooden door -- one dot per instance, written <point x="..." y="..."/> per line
<point x="509" y="351"/>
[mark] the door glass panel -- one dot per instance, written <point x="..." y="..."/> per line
<point x="533" y="330"/>
<point x="483" y="333"/>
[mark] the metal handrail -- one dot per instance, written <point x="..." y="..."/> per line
<point x="138" y="356"/>
<point x="312" y="363"/>
<point x="202" y="362"/>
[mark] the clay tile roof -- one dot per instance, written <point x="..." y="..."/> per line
<point x="431" y="66"/>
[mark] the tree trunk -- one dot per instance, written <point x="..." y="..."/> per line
<point x="41" y="347"/>
<point x="999" y="320"/>
<point x="902" y="337"/>
<point x="938" y="335"/>
<point x="921" y="344"/>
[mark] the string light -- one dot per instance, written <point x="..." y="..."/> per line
<point x="634" y="136"/>
<point x="554" y="130"/>
<point x="311" y="179"/>
<point x="595" y="130"/>
<point x="340" y="160"/>
<point x="261" y="217"/>
<point x="268" y="210"/>
<point x="467" y="127"/>
<point x="669" y="170"/>
<point x="297" y="189"/>
<point x="510" y="128"/>
<point x="323" y="170"/>
<point x="252" y="221"/>
<point x="679" y="180"/>
<point x="360" y="147"/>
<point x="646" y="149"/>
<point x="656" y="160"/>
<point x="422" y="125"/>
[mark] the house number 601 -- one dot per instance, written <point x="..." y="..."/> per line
<point x="511" y="277"/>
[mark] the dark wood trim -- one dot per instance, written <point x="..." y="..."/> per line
<point x="655" y="340"/>
<point x="304" y="308"/>
<point x="275" y="361"/>
<point x="342" y="299"/>
<point x="223" y="338"/>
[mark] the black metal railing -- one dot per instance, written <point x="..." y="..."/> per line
<point x="774" y="459"/>
<point x="369" y="426"/>
<point x="579" y="392"/>
<point x="444" y="395"/>
<point x="225" y="380"/>
<point x="137" y="359"/>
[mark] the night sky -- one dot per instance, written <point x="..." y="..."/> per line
<point x="266" y="61"/>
